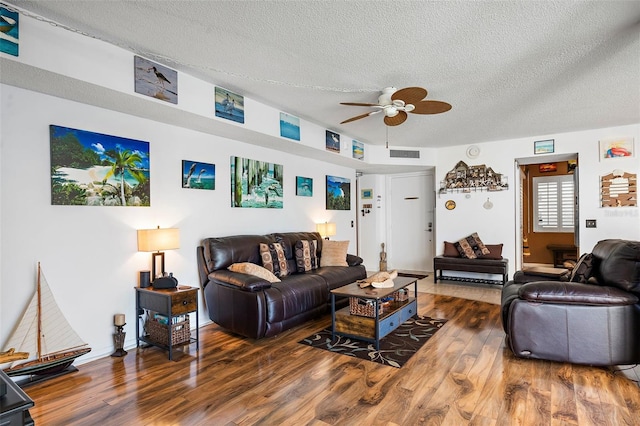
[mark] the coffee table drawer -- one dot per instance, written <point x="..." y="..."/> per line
<point x="390" y="323"/>
<point x="408" y="311"/>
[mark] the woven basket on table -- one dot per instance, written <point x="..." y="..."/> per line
<point x="159" y="333"/>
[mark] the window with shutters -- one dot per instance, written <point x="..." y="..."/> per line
<point x="553" y="204"/>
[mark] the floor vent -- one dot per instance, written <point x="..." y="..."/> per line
<point x="399" y="153"/>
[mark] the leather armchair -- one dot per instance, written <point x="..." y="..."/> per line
<point x="596" y="322"/>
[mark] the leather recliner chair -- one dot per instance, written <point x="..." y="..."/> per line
<point x="596" y="322"/>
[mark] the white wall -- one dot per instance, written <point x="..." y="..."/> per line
<point x="498" y="225"/>
<point x="89" y="254"/>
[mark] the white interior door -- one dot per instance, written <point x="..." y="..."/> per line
<point x="410" y="222"/>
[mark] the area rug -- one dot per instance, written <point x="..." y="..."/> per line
<point x="396" y="348"/>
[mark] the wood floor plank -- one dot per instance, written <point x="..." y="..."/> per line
<point x="465" y="374"/>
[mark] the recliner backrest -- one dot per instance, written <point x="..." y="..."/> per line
<point x="616" y="263"/>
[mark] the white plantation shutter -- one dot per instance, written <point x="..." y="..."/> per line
<point x="553" y="203"/>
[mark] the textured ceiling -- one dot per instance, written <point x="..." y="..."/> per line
<point x="510" y="69"/>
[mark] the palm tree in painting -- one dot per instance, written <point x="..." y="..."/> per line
<point x="122" y="161"/>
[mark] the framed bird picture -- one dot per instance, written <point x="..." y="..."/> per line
<point x="155" y="80"/>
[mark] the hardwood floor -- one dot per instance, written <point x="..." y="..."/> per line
<point x="463" y="375"/>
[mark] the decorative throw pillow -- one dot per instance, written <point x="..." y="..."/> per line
<point x="450" y="250"/>
<point x="334" y="253"/>
<point x="495" y="251"/>
<point x="306" y="255"/>
<point x="582" y="271"/>
<point x="273" y="259"/>
<point x="471" y="247"/>
<point x="253" y="269"/>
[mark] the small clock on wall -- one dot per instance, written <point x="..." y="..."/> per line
<point x="473" y="151"/>
<point x="450" y="204"/>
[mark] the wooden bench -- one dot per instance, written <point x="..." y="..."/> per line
<point x="479" y="266"/>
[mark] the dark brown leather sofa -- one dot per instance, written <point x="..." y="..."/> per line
<point x="253" y="307"/>
<point x="596" y="322"/>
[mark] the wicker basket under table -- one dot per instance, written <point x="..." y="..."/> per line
<point x="159" y="333"/>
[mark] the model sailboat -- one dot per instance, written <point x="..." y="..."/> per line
<point x="44" y="337"/>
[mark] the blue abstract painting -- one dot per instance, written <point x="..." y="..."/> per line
<point x="289" y="126"/>
<point x="9" y="34"/>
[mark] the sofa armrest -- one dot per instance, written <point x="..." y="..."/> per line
<point x="241" y="281"/>
<point x="353" y="260"/>
<point x="570" y="293"/>
<point x="522" y="277"/>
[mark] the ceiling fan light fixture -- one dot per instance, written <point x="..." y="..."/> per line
<point x="409" y="107"/>
<point x="391" y="111"/>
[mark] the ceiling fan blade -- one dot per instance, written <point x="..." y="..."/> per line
<point x="357" y="104"/>
<point x="410" y="95"/>
<point x="431" y="107"/>
<point x="358" y="117"/>
<point x="396" y="119"/>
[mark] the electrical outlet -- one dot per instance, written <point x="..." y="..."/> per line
<point x="590" y="223"/>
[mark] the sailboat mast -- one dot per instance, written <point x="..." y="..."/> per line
<point x="39" y="315"/>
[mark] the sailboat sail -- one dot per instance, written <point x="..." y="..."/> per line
<point x="52" y="329"/>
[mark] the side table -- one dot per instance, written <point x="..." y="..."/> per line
<point x="170" y="302"/>
<point x="14" y="403"/>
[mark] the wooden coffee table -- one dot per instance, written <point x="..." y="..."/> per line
<point x="374" y="328"/>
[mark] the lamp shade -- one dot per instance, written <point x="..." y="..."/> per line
<point x="326" y="229"/>
<point x="158" y="239"/>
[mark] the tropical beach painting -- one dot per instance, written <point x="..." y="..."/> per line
<point x="229" y="105"/>
<point x="93" y="169"/>
<point x="196" y="175"/>
<point x="289" y="126"/>
<point x="154" y="80"/>
<point x="332" y="142"/>
<point x="338" y="193"/>
<point x="9" y="31"/>
<point x="256" y="184"/>
<point x="358" y="150"/>
<point x="304" y="186"/>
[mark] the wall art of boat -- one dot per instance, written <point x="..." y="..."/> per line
<point x="43" y="337"/>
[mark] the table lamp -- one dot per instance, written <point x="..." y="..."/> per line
<point x="155" y="240"/>
<point x="326" y="230"/>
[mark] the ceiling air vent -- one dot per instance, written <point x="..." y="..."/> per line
<point x="400" y="153"/>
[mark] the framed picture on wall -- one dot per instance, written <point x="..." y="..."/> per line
<point x="197" y="175"/>
<point x="616" y="148"/>
<point x="366" y="194"/>
<point x="289" y="126"/>
<point x="9" y="36"/>
<point x="229" y="105"/>
<point x="544" y="147"/>
<point x="338" y="193"/>
<point x="256" y="184"/>
<point x="155" y="80"/>
<point x="93" y="169"/>
<point x="332" y="141"/>
<point x="304" y="186"/>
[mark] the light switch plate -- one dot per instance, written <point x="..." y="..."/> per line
<point x="590" y="223"/>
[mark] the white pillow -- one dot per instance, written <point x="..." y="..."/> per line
<point x="334" y="253"/>
<point x="253" y="269"/>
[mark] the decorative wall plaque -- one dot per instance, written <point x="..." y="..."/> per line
<point x="463" y="178"/>
<point x="619" y="189"/>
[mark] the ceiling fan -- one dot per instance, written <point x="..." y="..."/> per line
<point x="395" y="104"/>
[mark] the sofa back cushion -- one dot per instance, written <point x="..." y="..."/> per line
<point x="616" y="263"/>
<point x="222" y="252"/>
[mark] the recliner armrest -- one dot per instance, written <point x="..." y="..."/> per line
<point x="571" y="293"/>
<point x="241" y="281"/>
<point x="353" y="260"/>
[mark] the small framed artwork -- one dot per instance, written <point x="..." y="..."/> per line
<point x="358" y="150"/>
<point x="304" y="186"/>
<point x="332" y="141"/>
<point x="544" y="147"/>
<point x="616" y="148"/>
<point x="547" y="167"/>
<point x="289" y="126"/>
<point x="197" y="175"/>
<point x="338" y="193"/>
<point x="154" y="80"/>
<point x="9" y="36"/>
<point x="229" y="105"/>
<point x="366" y="194"/>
